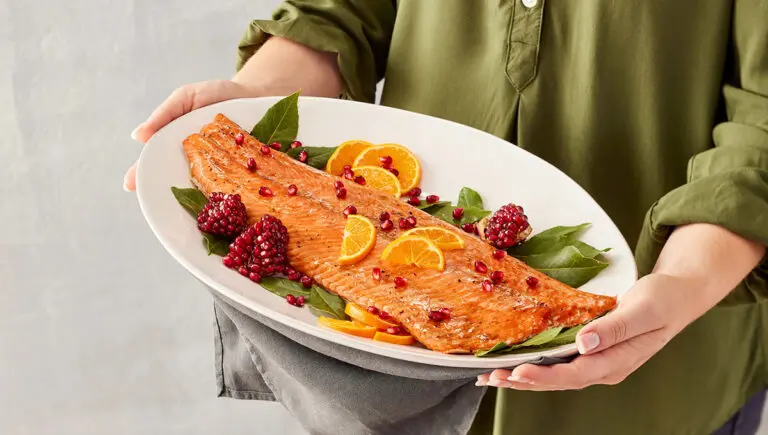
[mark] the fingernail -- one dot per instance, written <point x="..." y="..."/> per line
<point x="481" y="383"/>
<point x="514" y="377"/>
<point x="498" y="383"/>
<point x="135" y="132"/>
<point x="587" y="342"/>
<point x="125" y="186"/>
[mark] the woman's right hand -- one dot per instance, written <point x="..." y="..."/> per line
<point x="181" y="101"/>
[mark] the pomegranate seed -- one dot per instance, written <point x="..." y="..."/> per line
<point x="532" y="281"/>
<point x="291" y="299"/>
<point x="431" y="199"/>
<point x="338" y="184"/>
<point x="295" y="144"/>
<point x="402" y="224"/>
<point x="446" y="313"/>
<point x="400" y="282"/>
<point x="497" y="276"/>
<point x="350" y="209"/>
<point x="480" y="267"/>
<point x="239" y="139"/>
<point x="228" y="261"/>
<point x="265" y="150"/>
<point x="436" y="316"/>
<point x="292" y="190"/>
<point x="384" y="315"/>
<point x="416" y="191"/>
<point x="373" y="310"/>
<point x="386" y="161"/>
<point x="470" y="228"/>
<point x="300" y="301"/>
<point x="487" y="286"/>
<point x="306" y="281"/>
<point x="294" y="275"/>
<point x="394" y="171"/>
<point x="303" y="156"/>
<point x="376" y="273"/>
<point x="519" y="219"/>
<point x="360" y="180"/>
<point x="341" y="193"/>
<point x="349" y="175"/>
<point x="411" y="221"/>
<point x="384" y="216"/>
<point x="265" y="191"/>
<point x="275" y="146"/>
<point x="394" y="330"/>
<point x="251" y="164"/>
<point x="414" y="201"/>
<point x="387" y="225"/>
<point x="458" y="212"/>
<point x="499" y="254"/>
<point x="242" y="270"/>
<point x="347" y="168"/>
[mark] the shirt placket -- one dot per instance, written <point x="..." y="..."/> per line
<point x="523" y="42"/>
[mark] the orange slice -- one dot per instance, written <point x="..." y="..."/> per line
<point x="345" y="154"/>
<point x="347" y="327"/>
<point x="446" y="240"/>
<point x="406" y="163"/>
<point x="392" y="338"/>
<point x="416" y="251"/>
<point x="361" y="315"/>
<point x="379" y="178"/>
<point x="359" y="238"/>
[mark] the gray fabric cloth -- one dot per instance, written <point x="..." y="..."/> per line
<point x="332" y="389"/>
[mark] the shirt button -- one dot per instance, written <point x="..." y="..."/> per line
<point x="529" y="3"/>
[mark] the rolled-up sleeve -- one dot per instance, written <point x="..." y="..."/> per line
<point x="728" y="184"/>
<point x="359" y="31"/>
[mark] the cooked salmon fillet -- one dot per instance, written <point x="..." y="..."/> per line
<point x="512" y="313"/>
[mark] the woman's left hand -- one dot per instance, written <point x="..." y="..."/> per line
<point x="613" y="346"/>
<point x="698" y="267"/>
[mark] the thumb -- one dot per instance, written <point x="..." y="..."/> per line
<point x="633" y="317"/>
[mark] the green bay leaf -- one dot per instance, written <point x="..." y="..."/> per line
<point x="323" y="303"/>
<point x="190" y="198"/>
<point x="280" y="123"/>
<point x="566" y="336"/>
<point x="550" y="240"/>
<point x="317" y="156"/>
<point x="469" y="198"/>
<point x="445" y="212"/>
<point x="216" y="245"/>
<point x="425" y="205"/>
<point x="283" y="287"/>
<point x="567" y="265"/>
<point x="537" y="340"/>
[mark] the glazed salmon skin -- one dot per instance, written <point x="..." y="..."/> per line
<point x="511" y="313"/>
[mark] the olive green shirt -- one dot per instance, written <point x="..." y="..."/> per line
<point x="658" y="108"/>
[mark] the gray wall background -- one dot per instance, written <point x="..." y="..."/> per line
<point x="101" y="332"/>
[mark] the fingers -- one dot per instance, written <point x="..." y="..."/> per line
<point x="178" y="103"/>
<point x="129" y="180"/>
<point x="609" y="367"/>
<point x="636" y="315"/>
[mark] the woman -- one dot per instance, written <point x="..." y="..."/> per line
<point x="623" y="97"/>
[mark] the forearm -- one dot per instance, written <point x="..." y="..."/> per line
<point x="281" y="67"/>
<point x="713" y="258"/>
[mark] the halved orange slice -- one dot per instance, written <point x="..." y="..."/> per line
<point x="403" y="160"/>
<point x="347" y="327"/>
<point x="446" y="240"/>
<point x="359" y="238"/>
<point x="379" y="178"/>
<point x="392" y="338"/>
<point x="416" y="251"/>
<point x="345" y="154"/>
<point x="360" y="314"/>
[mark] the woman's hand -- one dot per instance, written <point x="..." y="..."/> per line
<point x="181" y="101"/>
<point x="700" y="265"/>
